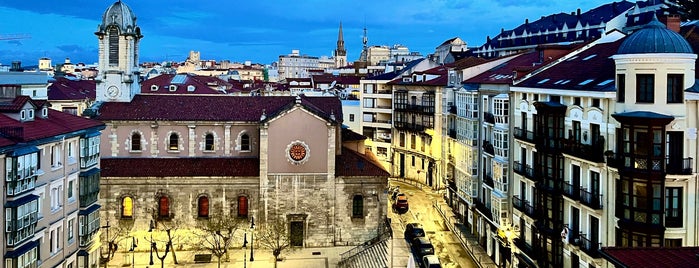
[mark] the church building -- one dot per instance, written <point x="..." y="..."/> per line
<point x="175" y="158"/>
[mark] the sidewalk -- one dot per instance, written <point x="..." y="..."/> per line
<point x="468" y="240"/>
<point x="239" y="258"/>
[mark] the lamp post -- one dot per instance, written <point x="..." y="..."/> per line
<point x="133" y="250"/>
<point x="109" y="245"/>
<point x="252" y="243"/>
<point x="245" y="246"/>
<point x="152" y="243"/>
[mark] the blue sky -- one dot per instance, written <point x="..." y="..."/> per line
<point x="260" y="31"/>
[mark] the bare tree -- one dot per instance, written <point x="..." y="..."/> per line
<point x="113" y="235"/>
<point x="216" y="234"/>
<point x="274" y="235"/>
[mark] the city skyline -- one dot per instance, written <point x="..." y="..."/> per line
<point x="261" y="31"/>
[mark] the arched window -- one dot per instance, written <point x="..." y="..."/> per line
<point x="209" y="140"/>
<point x="164" y="207"/>
<point x="173" y="142"/>
<point x="113" y="46"/>
<point x="135" y="142"/>
<point x="203" y="207"/>
<point x="242" y="206"/>
<point x="357" y="206"/>
<point x="245" y="142"/>
<point x="127" y="207"/>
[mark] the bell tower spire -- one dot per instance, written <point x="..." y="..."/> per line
<point x="340" y="52"/>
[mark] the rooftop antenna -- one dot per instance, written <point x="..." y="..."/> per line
<point x="365" y="40"/>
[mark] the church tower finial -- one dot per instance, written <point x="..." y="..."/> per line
<point x="340" y="52"/>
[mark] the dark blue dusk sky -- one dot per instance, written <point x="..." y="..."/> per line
<point x="260" y="31"/>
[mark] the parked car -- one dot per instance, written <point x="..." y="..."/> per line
<point x="400" y="205"/>
<point x="413" y="230"/>
<point x="430" y="261"/>
<point x="396" y="194"/>
<point x="422" y="246"/>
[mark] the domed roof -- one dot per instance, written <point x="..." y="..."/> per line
<point x="121" y="16"/>
<point x="654" y="37"/>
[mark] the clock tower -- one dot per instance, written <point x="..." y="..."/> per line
<point x="118" y="37"/>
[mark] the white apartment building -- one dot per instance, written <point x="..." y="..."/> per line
<point x="295" y="65"/>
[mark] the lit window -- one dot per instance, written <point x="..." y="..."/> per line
<point x="203" y="207"/>
<point x="127" y="207"/>
<point x="173" y="142"/>
<point x="164" y="207"/>
<point x="242" y="206"/>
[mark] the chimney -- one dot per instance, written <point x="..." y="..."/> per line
<point x="526" y="21"/>
<point x="672" y="22"/>
<point x="578" y="12"/>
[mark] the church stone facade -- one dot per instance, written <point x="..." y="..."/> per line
<point x="180" y="159"/>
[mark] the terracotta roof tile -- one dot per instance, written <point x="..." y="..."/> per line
<point x="161" y="84"/>
<point x="349" y="135"/>
<point x="684" y="257"/>
<point x="57" y="123"/>
<point x="66" y="89"/>
<point x="13" y="105"/>
<point x="211" y="107"/>
<point x="353" y="164"/>
<point x="180" y="167"/>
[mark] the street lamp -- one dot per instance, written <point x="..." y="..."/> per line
<point x="152" y="243"/>
<point x="252" y="243"/>
<point x="133" y="250"/>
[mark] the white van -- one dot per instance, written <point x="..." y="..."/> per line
<point x="430" y="261"/>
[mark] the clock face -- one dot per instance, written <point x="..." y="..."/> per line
<point x="113" y="91"/>
<point x="297" y="152"/>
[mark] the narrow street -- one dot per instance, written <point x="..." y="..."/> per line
<point x="447" y="246"/>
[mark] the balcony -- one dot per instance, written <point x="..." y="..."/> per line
<point x="524" y="170"/>
<point x="452" y="133"/>
<point x="590" y="247"/>
<point x="592" y="200"/>
<point x="488" y="148"/>
<point x="524" y="135"/>
<point x="517" y="203"/>
<point x="683" y="167"/>
<point x="592" y="152"/>
<point x="572" y="191"/>
<point x="452" y="109"/>
<point x="574" y="237"/>
<point x="489" y="118"/>
<point x="409" y="127"/>
<point x="483" y="209"/>
<point x="414" y="108"/>
<point x="643" y="163"/>
<point x="488" y="180"/>
<point x="524" y="247"/>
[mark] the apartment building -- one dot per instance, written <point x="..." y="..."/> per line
<point x="295" y="65"/>
<point x="603" y="151"/>
<point x="50" y="162"/>
<point x="417" y="126"/>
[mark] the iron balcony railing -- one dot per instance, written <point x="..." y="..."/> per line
<point x="485" y="211"/>
<point x="425" y="109"/>
<point x="572" y="191"/>
<point x="488" y="180"/>
<point x="679" y="166"/>
<point x="488" y="148"/>
<point x="591" y="247"/>
<point x="590" y="199"/>
<point x="524" y="170"/>
<point x="529" y="209"/>
<point x="524" y="135"/>
<point x="593" y="152"/>
<point x="517" y="203"/>
<point x="488" y="118"/>
<point x="452" y="133"/>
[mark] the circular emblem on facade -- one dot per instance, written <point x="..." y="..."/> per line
<point x="297" y="152"/>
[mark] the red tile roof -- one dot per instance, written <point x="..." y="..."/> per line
<point x="684" y="257"/>
<point x="14" y="105"/>
<point x="162" y="83"/>
<point x="354" y="164"/>
<point x="56" y="124"/>
<point x="180" y="167"/>
<point x="502" y="74"/>
<point x="591" y="69"/>
<point x="66" y="89"/>
<point x="212" y="107"/>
